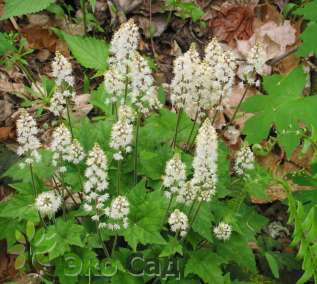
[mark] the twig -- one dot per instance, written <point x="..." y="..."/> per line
<point x="239" y="105"/>
<point x="279" y="58"/>
<point x="14" y="23"/>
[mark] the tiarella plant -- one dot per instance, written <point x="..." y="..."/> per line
<point x="146" y="193"/>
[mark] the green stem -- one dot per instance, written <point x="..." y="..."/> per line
<point x="196" y="213"/>
<point x="118" y="177"/>
<point x="35" y="193"/>
<point x="176" y="128"/>
<point x="33" y="182"/>
<point x="239" y="105"/>
<point x="114" y="243"/>
<point x="191" y="131"/>
<point x="68" y="118"/>
<point x="101" y="240"/>
<point x="126" y="84"/>
<point x="30" y="77"/>
<point x="136" y="149"/>
<point x="81" y="183"/>
<point x="191" y="208"/>
<point x="169" y="206"/>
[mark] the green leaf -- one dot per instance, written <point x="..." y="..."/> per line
<point x="203" y="222"/>
<point x="206" y="265"/>
<point x="88" y="51"/>
<point x="309" y="11"/>
<point x="5" y="44"/>
<point x="153" y="163"/>
<point x="58" y="238"/>
<point x="236" y="250"/>
<point x="309" y="40"/>
<point x="19" y="207"/>
<point x="172" y="247"/>
<point x="273" y="264"/>
<point x="30" y="230"/>
<point x="17" y="249"/>
<point x="98" y="99"/>
<point x="145" y="218"/>
<point x="284" y="107"/>
<point x="14" y="8"/>
<point x="20" y="261"/>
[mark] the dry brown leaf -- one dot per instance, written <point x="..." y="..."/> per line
<point x="275" y="38"/>
<point x="233" y="23"/>
<point x="158" y="24"/>
<point x="6" y="133"/>
<point x="43" y="38"/>
<point x="9" y="87"/>
<point x="82" y="106"/>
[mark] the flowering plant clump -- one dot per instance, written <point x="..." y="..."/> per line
<point x="141" y="190"/>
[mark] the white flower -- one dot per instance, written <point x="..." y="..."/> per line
<point x="62" y="70"/>
<point x="115" y="84"/>
<point x="187" y="193"/>
<point x="48" y="203"/>
<point x="127" y="113"/>
<point x="61" y="141"/>
<point x="244" y="161"/>
<point x="124" y="41"/>
<point x="175" y="175"/>
<point x="121" y="138"/>
<point x="96" y="184"/>
<point x="75" y="153"/>
<point x="26" y="137"/>
<point x="184" y="73"/>
<point x="118" y="213"/>
<point x="222" y="64"/>
<point x="223" y="231"/>
<point x="257" y="57"/>
<point x="96" y="171"/>
<point x="205" y="162"/>
<point x="143" y="93"/>
<point x="58" y="102"/>
<point x="64" y="149"/>
<point x="178" y="222"/>
<point x="201" y="99"/>
<point x="255" y="64"/>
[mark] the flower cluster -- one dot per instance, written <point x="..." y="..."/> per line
<point x="205" y="162"/>
<point x="59" y="100"/>
<point x="223" y="231"/>
<point x="182" y="85"/>
<point x="124" y="41"/>
<point x="26" y="137"/>
<point x="222" y="65"/>
<point x="143" y="93"/>
<point x="255" y="64"/>
<point x="117" y="213"/>
<point x="198" y="85"/>
<point x="129" y="76"/>
<point x="178" y="222"/>
<point x="187" y="193"/>
<point x="175" y="176"/>
<point x="244" y="161"/>
<point x="121" y="137"/>
<point x="64" y="148"/>
<point x="62" y="70"/>
<point x="48" y="203"/>
<point x="75" y="153"/>
<point x="96" y="184"/>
